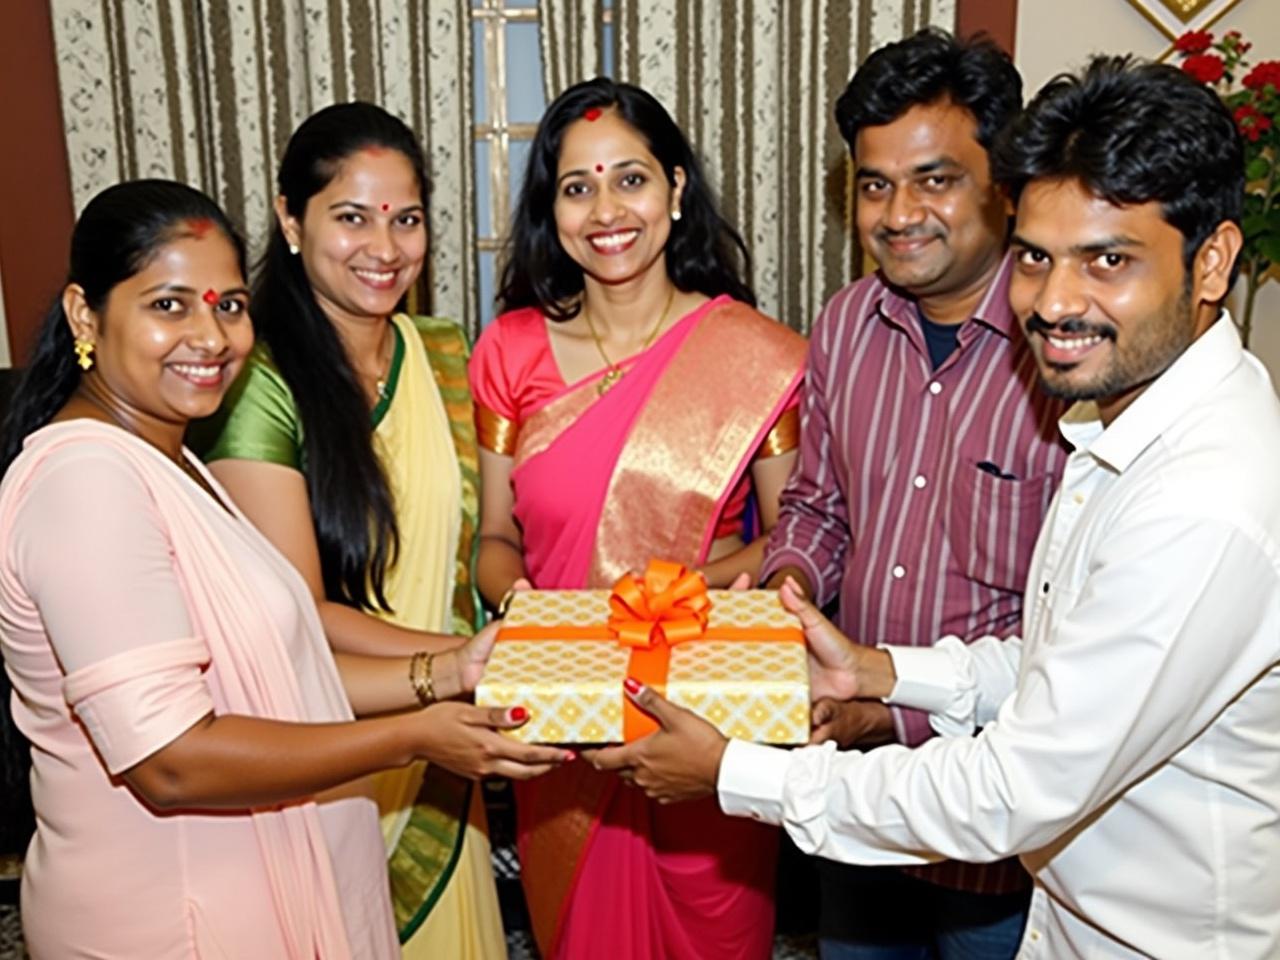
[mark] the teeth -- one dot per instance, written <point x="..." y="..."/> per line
<point x="1073" y="343"/>
<point x="615" y="241"/>
<point x="198" y="371"/>
<point x="377" y="276"/>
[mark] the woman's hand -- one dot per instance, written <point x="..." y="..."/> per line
<point x="468" y="740"/>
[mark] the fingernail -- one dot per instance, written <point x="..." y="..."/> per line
<point x="518" y="714"/>
<point x="569" y="755"/>
<point x="632" y="685"/>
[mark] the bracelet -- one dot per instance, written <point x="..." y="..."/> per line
<point x="505" y="602"/>
<point x="420" y="677"/>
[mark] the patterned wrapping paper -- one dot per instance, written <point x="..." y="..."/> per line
<point x="751" y="690"/>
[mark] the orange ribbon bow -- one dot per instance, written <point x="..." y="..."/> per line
<point x="669" y="604"/>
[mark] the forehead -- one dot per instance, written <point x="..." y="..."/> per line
<point x="1065" y="214"/>
<point x="206" y="261"/>
<point x="921" y="135"/>
<point x="372" y="174"/>
<point x="607" y="139"/>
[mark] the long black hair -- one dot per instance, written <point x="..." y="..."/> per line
<point x="117" y="235"/>
<point x="351" y="502"/>
<point x="704" y="253"/>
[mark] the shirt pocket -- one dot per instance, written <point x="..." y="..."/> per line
<point x="992" y="525"/>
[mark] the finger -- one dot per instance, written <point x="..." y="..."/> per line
<point x="821" y="633"/>
<point x="521" y="771"/>
<point x="522" y="583"/>
<point x="499" y="718"/>
<point x="505" y="748"/>
<point x="790" y="581"/>
<point x="481" y="645"/>
<point x="741" y="582"/>
<point x="651" y="702"/>
<point x="613" y="758"/>
<point x="823" y="733"/>
<point x="823" y="710"/>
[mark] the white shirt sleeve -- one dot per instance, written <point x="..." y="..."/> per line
<point x="1167" y="630"/>
<point x="961" y="684"/>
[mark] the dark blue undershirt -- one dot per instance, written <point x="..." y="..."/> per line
<point x="940" y="338"/>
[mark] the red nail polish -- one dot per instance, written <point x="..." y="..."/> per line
<point x="632" y="685"/>
<point x="518" y="714"/>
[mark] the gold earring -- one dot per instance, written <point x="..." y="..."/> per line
<point x="84" y="353"/>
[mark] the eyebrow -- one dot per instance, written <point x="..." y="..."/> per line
<point x="365" y="208"/>
<point x="1101" y="245"/>
<point x="180" y="288"/>
<point x="582" y="172"/>
<point x="930" y="166"/>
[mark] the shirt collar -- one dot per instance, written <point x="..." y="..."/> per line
<point x="993" y="311"/>
<point x="1201" y="366"/>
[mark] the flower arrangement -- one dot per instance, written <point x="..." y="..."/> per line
<point x="1255" y="104"/>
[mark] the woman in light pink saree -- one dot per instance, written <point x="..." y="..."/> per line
<point x="195" y="759"/>
<point x="627" y="403"/>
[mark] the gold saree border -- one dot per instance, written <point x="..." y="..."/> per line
<point x="703" y="421"/>
<point x="495" y="433"/>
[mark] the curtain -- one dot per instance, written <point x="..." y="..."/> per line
<point x="208" y="93"/>
<point x="753" y="84"/>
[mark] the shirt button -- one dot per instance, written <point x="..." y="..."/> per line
<point x="1078" y="498"/>
<point x="1033" y="935"/>
<point x="935" y="388"/>
<point x="899" y="571"/>
<point x="919" y="482"/>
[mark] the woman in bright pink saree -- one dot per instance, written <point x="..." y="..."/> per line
<point x="627" y="403"/>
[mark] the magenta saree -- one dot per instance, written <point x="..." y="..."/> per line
<point x="603" y="483"/>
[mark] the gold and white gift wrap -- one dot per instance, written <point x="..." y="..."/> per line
<point x="750" y="689"/>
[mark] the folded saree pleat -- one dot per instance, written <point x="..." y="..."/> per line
<point x="603" y="483"/>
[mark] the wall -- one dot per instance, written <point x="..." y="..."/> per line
<point x="1053" y="35"/>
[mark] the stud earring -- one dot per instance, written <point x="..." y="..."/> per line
<point x="293" y="249"/>
<point x="84" y="353"/>
<point x="676" y="214"/>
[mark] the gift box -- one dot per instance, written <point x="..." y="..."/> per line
<point x="736" y="658"/>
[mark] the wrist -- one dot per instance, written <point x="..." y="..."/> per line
<point x="874" y="675"/>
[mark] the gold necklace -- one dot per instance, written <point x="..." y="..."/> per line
<point x="380" y="384"/>
<point x="613" y="372"/>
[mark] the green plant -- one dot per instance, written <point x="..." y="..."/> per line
<point x="1255" y="104"/>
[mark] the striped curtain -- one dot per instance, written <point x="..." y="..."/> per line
<point x="208" y="93"/>
<point x="753" y="84"/>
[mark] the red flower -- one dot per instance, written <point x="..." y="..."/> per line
<point x="1263" y="74"/>
<point x="1194" y="41"/>
<point x="1251" y="122"/>
<point x="1205" y="67"/>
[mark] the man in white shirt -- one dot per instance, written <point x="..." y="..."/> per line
<point x="1128" y="745"/>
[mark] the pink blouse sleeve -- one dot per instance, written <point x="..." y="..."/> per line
<point x="92" y="553"/>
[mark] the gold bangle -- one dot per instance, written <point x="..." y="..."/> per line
<point x="505" y="603"/>
<point x="420" y="677"/>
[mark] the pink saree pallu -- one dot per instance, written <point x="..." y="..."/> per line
<point x="602" y="483"/>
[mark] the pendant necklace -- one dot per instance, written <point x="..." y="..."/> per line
<point x="613" y="373"/>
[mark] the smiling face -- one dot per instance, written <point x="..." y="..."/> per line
<point x="169" y="340"/>
<point x="1102" y="292"/>
<point x="613" y="200"/>
<point x="927" y="210"/>
<point x="363" y="237"/>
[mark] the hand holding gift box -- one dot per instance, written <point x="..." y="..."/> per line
<point x="736" y="658"/>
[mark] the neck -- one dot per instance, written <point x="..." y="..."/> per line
<point x="365" y="339"/>
<point x="166" y="436"/>
<point x="956" y="306"/>
<point x="626" y="312"/>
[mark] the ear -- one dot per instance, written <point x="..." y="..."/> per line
<point x="289" y="224"/>
<point x="80" y="317"/>
<point x="677" y="191"/>
<point x="1211" y="278"/>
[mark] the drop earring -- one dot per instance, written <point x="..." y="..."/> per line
<point x="84" y="353"/>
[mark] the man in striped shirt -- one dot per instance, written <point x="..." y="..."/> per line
<point x="928" y="455"/>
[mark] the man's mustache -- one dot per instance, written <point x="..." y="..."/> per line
<point x="1070" y="327"/>
<point x="885" y="234"/>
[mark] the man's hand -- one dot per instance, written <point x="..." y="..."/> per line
<point x="680" y="761"/>
<point x="855" y="723"/>
<point x="838" y="668"/>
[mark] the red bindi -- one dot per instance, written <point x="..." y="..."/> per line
<point x="599" y="168"/>
<point x="199" y="226"/>
<point x="386" y="207"/>
<point x="592" y="114"/>
<point x="373" y="150"/>
<point x="211" y="297"/>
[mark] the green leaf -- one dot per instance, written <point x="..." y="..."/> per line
<point x="1257" y="169"/>
<point x="1269" y="246"/>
